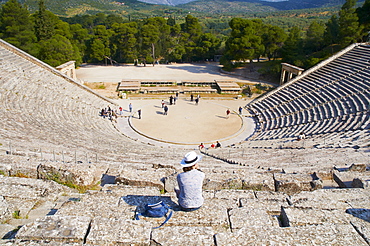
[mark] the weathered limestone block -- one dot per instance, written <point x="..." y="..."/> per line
<point x="233" y="183"/>
<point x="341" y="199"/>
<point x="5" y="213"/>
<point x="352" y="179"/>
<point x="25" y="192"/>
<point x="268" y="200"/>
<point x="56" y="228"/>
<point x="291" y="216"/>
<point x="124" y="190"/>
<point x="327" y="234"/>
<point x="363" y="228"/>
<point x="143" y="177"/>
<point x="40" y="243"/>
<point x="111" y="231"/>
<point x="294" y="183"/>
<point x="212" y="213"/>
<point x="211" y="184"/>
<point x="5" y="169"/>
<point x="339" y="179"/>
<point x="223" y="178"/>
<point x="323" y="174"/>
<point x="97" y="204"/>
<point x="20" y="166"/>
<point x="207" y="194"/>
<point x="170" y="182"/>
<point x="79" y="174"/>
<point x="22" y="191"/>
<point x="271" y="196"/>
<point x="234" y="195"/>
<point x="356" y="167"/>
<point x="246" y="217"/>
<point x="183" y="235"/>
<point x="22" y="205"/>
<point x="259" y="181"/>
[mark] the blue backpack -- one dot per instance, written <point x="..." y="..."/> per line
<point x="156" y="210"/>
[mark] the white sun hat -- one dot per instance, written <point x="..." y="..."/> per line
<point x="190" y="159"/>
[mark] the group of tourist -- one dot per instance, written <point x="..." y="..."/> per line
<point x="196" y="99"/>
<point x="212" y="146"/>
<point x="172" y="101"/>
<point x="108" y="113"/>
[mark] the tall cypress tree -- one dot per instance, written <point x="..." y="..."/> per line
<point x="349" y="28"/>
<point x="44" y="23"/>
<point x="331" y="34"/>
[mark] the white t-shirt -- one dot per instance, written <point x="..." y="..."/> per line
<point x="190" y="184"/>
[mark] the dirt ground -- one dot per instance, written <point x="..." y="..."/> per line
<point x="186" y="122"/>
<point x="105" y="79"/>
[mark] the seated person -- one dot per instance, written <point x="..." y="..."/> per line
<point x="218" y="145"/>
<point x="301" y="136"/>
<point x="190" y="183"/>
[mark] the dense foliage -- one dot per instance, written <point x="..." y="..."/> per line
<point x="111" y="38"/>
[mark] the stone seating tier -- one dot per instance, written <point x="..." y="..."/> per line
<point x="105" y="217"/>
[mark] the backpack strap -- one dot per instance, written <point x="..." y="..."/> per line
<point x="168" y="217"/>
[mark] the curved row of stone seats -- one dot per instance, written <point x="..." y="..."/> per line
<point x="49" y="107"/>
<point x="228" y="217"/>
<point x="318" y="96"/>
<point x="291" y="160"/>
<point x="23" y="200"/>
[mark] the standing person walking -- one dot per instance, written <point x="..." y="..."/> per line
<point x="240" y="110"/>
<point x="130" y="107"/>
<point x="165" y="109"/>
<point x="227" y="113"/>
<point x="139" y="113"/>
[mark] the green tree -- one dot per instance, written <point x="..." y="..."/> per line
<point x="245" y="41"/>
<point x="349" y="28"/>
<point x="125" y="39"/>
<point x="331" y="34"/>
<point x="57" y="50"/>
<point x="207" y="46"/>
<point x="162" y="39"/>
<point x="292" y="50"/>
<point x="97" y="50"/>
<point x="113" y="19"/>
<point x="44" y="22"/>
<point x="80" y="36"/>
<point x="273" y="39"/>
<point x="99" y="45"/>
<point x="149" y="37"/>
<point x="176" y="48"/>
<point x="363" y="14"/>
<point x="314" y="37"/>
<point x="191" y="33"/>
<point x="16" y="26"/>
